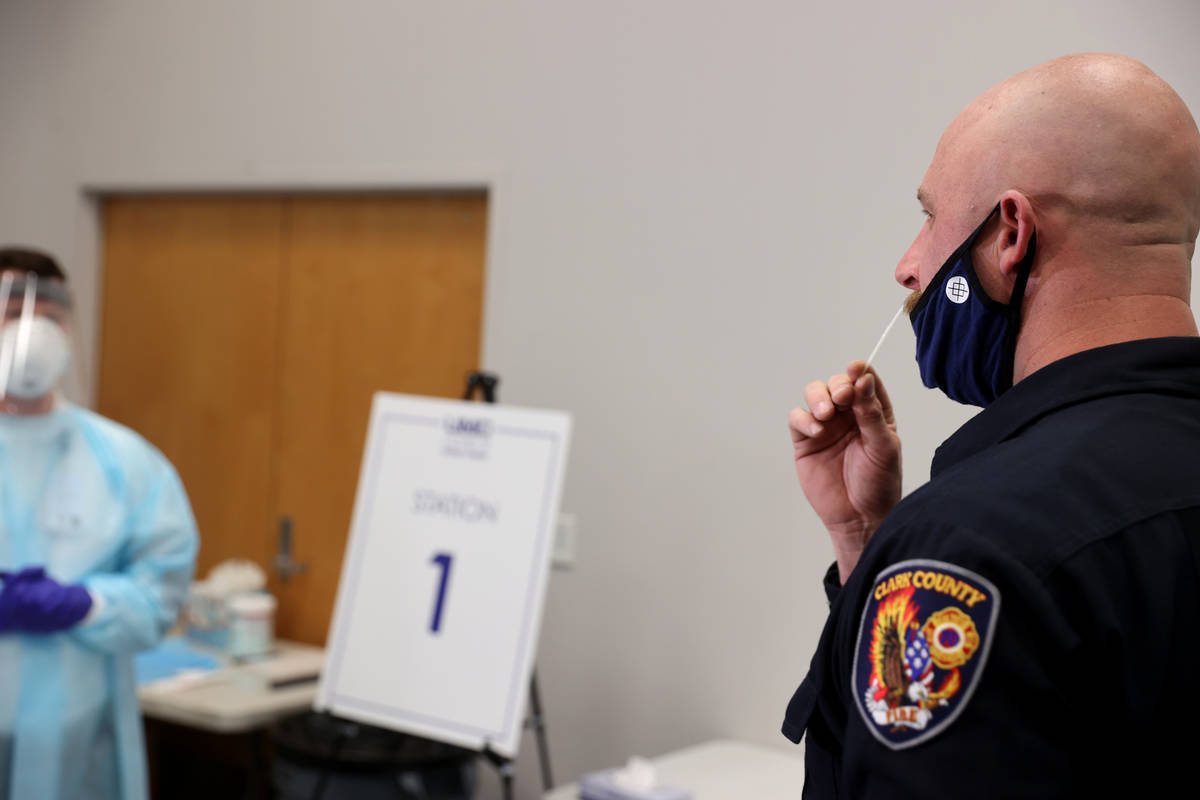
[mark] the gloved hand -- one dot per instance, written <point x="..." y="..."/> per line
<point x="32" y="602"/>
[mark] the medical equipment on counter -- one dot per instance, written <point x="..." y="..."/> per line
<point x="251" y="625"/>
<point x="230" y="611"/>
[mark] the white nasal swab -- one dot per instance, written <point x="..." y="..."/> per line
<point x="886" y="331"/>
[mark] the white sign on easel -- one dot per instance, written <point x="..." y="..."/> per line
<point x="440" y="601"/>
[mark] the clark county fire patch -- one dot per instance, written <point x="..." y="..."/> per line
<point x="922" y="643"/>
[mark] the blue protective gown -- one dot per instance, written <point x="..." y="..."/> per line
<point x="95" y="504"/>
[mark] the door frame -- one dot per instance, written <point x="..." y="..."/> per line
<point x="88" y="246"/>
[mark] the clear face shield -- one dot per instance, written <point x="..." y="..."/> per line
<point x="35" y="344"/>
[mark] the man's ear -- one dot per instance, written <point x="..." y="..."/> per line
<point x="1015" y="234"/>
<point x="1003" y="244"/>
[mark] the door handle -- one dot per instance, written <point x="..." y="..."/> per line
<point x="284" y="565"/>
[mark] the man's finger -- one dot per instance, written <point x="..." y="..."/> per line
<point x="816" y="396"/>
<point x="841" y="390"/>
<point x="885" y="402"/>
<point x="855" y="370"/>
<point x="803" y="425"/>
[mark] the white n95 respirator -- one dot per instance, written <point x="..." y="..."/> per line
<point x="34" y="347"/>
<point x="40" y="353"/>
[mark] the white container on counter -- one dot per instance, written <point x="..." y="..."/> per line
<point x="251" y="625"/>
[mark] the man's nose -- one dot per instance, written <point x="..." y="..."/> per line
<point x="908" y="271"/>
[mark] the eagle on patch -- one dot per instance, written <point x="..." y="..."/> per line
<point x="890" y="672"/>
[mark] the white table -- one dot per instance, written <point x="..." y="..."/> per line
<point x="241" y="697"/>
<point x="725" y="770"/>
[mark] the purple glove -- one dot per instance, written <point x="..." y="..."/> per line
<point x="31" y="602"/>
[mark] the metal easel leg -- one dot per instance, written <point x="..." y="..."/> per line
<point x="539" y="728"/>
<point x="504" y="766"/>
<point x="486" y="383"/>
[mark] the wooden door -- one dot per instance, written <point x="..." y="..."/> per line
<point x="188" y="344"/>
<point x="356" y="294"/>
<point x="382" y="293"/>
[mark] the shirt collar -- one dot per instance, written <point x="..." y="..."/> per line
<point x="1169" y="365"/>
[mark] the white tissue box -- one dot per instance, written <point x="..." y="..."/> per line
<point x="601" y="786"/>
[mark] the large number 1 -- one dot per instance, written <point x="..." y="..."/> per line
<point x="442" y="560"/>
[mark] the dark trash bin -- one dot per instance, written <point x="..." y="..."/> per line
<point x="321" y="757"/>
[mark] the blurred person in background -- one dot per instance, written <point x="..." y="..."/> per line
<point x="97" y="549"/>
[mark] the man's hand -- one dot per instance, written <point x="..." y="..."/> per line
<point x="848" y="458"/>
<point x="33" y="602"/>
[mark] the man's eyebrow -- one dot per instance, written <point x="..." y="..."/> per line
<point x="923" y="198"/>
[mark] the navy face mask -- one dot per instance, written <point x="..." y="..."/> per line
<point x="965" y="339"/>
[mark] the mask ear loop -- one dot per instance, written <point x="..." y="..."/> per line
<point x="25" y="326"/>
<point x="1014" y="311"/>
<point x="6" y="343"/>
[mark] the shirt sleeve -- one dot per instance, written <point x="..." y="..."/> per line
<point x="135" y="606"/>
<point x="1013" y="729"/>
<point x="832" y="583"/>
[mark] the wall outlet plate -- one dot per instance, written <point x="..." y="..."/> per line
<point x="565" y="534"/>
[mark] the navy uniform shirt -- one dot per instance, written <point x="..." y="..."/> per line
<point x="1027" y="624"/>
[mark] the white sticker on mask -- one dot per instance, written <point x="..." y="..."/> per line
<point x="957" y="289"/>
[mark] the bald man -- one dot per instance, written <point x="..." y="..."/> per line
<point x="1027" y="624"/>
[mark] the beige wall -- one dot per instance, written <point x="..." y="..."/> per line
<point x="697" y="208"/>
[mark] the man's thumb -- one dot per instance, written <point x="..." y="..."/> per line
<point x="868" y="411"/>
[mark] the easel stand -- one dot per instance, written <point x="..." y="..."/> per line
<point x="486" y="383"/>
<point x="506" y="767"/>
